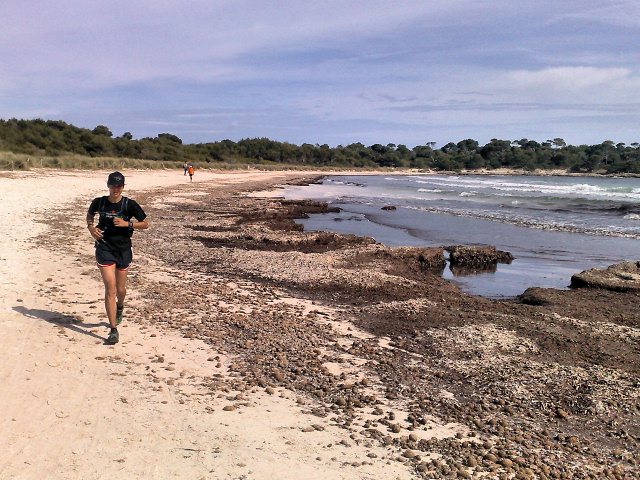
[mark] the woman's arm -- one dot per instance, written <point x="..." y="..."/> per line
<point x="93" y="230"/>
<point x="119" y="222"/>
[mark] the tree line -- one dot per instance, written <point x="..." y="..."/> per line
<point x="52" y="138"/>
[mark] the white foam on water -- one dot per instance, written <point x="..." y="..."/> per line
<point x="547" y="187"/>
<point x="575" y="204"/>
<point x="434" y="190"/>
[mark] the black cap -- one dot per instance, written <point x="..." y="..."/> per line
<point x="116" y="178"/>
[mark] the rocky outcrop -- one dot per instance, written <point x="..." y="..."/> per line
<point x="419" y="258"/>
<point x="282" y="217"/>
<point x="622" y="277"/>
<point x="476" y="257"/>
<point x="535" y="296"/>
<point x="404" y="261"/>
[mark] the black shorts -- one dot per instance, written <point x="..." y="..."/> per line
<point x="106" y="256"/>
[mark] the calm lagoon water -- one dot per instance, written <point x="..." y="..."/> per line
<point x="554" y="226"/>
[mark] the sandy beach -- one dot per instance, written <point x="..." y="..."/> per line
<point x="74" y="408"/>
<point x="252" y="350"/>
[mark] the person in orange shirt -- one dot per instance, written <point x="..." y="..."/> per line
<point x="191" y="173"/>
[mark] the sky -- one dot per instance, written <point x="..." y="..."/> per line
<point x="327" y="72"/>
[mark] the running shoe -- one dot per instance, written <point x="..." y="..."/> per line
<point x="119" y="311"/>
<point x="114" y="336"/>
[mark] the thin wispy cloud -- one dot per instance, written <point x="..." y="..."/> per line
<point x="620" y="13"/>
<point x="327" y="72"/>
<point x="567" y="84"/>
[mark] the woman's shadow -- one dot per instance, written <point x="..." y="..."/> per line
<point x="61" y="320"/>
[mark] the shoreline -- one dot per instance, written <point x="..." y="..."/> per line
<point x="315" y="351"/>
<point x="346" y="171"/>
<point x="545" y="254"/>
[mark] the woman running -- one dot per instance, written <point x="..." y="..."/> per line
<point x="118" y="217"/>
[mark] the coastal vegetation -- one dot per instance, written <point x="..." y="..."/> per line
<point x="53" y="143"/>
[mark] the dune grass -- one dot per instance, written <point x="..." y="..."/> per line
<point x="10" y="161"/>
<point x="18" y="161"/>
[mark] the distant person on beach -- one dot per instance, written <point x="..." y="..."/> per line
<point x="118" y="217"/>
<point x="191" y="173"/>
<point x="186" y="167"/>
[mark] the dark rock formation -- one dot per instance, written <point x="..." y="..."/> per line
<point x="417" y="259"/>
<point x="622" y="277"/>
<point x="534" y="296"/>
<point x="282" y="217"/>
<point x="388" y="207"/>
<point x="474" y="257"/>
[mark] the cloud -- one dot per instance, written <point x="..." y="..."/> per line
<point x="313" y="71"/>
<point x="568" y="84"/>
<point x="125" y="42"/>
<point x="623" y="13"/>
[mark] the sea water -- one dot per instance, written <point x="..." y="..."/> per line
<point x="554" y="226"/>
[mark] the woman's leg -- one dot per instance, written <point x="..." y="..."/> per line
<point x="121" y="286"/>
<point x="109" y="279"/>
